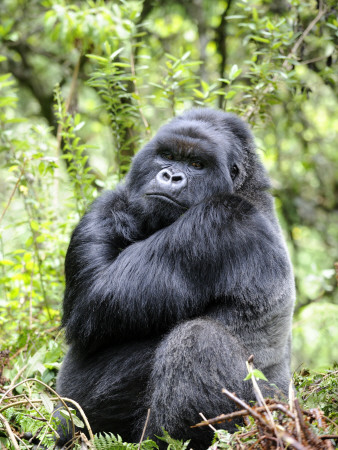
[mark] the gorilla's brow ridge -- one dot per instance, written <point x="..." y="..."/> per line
<point x="183" y="144"/>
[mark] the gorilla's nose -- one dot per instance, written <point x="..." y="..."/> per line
<point x="176" y="180"/>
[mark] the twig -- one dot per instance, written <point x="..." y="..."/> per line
<point x="22" y="349"/>
<point x="144" y="429"/>
<point x="83" y="415"/>
<point x="35" y="435"/>
<point x="243" y="412"/>
<point x="262" y="438"/>
<point x="13" y="191"/>
<point x="244" y="405"/>
<point x="311" y="437"/>
<point x="31" y="296"/>
<point x="17" y="376"/>
<point x="10" y="432"/>
<point x="321" y="12"/>
<point x="257" y="391"/>
<point x="206" y="420"/>
<point x="286" y="64"/>
<point x="335" y="424"/>
<point x="319" y="58"/>
<point x="42" y="417"/>
<point x="281" y="433"/>
<point x="54" y="392"/>
<point x="39" y="260"/>
<point x="259" y="395"/>
<point x="317" y="388"/>
<point x="85" y="441"/>
<point x="49" y="426"/>
<point x="133" y="72"/>
<point x="23" y="402"/>
<point x="68" y="101"/>
<point x="286" y="437"/>
<point x="293" y="409"/>
<point x="59" y="129"/>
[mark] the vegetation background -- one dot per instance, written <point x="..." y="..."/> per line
<point x="84" y="84"/>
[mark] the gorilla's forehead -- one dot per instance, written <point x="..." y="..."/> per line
<point x="197" y="139"/>
<point x="184" y="145"/>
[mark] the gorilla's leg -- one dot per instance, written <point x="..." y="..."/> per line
<point x="109" y="386"/>
<point x="191" y="366"/>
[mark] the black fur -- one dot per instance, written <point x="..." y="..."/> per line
<point x="173" y="280"/>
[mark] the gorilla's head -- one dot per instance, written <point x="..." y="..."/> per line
<point x="199" y="155"/>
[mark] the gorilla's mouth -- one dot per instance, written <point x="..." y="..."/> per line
<point x="166" y="198"/>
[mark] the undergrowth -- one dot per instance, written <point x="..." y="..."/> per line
<point x="27" y="407"/>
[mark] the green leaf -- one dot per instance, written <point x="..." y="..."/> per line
<point x="79" y="126"/>
<point x="34" y="225"/>
<point x="198" y="93"/>
<point x="254" y="14"/>
<point x="270" y="26"/>
<point x="257" y="374"/>
<point x="97" y="58"/>
<point x="6" y="262"/>
<point x="260" y="39"/>
<point x="47" y="403"/>
<point x="114" y="54"/>
<point x="234" y="72"/>
<point x="229" y="95"/>
<point x="185" y="56"/>
<point x="77" y="422"/>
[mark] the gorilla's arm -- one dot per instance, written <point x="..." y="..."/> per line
<point x="219" y="248"/>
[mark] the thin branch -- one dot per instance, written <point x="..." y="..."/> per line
<point x="241" y="413"/>
<point x="310" y="436"/>
<point x="144" y="429"/>
<point x="221" y="41"/>
<point x="10" y="432"/>
<point x="317" y="388"/>
<point x="68" y="100"/>
<point x="24" y="402"/>
<point x="258" y="393"/>
<point x="286" y="63"/>
<point x="321" y="12"/>
<point x="206" y="420"/>
<point x="13" y="191"/>
<point x="245" y="406"/>
<point x="18" y="375"/>
<point x="261" y="439"/>
<point x="39" y="260"/>
<point x="53" y="391"/>
<point x="313" y="60"/>
<point x="133" y="72"/>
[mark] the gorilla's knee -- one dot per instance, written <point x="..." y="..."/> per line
<point x="191" y="366"/>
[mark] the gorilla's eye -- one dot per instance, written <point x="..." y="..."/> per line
<point x="197" y="164"/>
<point x="234" y="171"/>
<point x="167" y="156"/>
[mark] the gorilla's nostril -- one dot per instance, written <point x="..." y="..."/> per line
<point x="169" y="180"/>
<point x="177" y="178"/>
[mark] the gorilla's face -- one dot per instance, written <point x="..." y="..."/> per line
<point x="195" y="157"/>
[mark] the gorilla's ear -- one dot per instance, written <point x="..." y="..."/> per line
<point x="240" y="129"/>
<point x="256" y="176"/>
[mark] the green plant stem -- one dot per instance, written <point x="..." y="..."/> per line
<point x="39" y="260"/>
<point x="13" y="191"/>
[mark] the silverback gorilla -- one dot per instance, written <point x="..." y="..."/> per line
<point x="173" y="280"/>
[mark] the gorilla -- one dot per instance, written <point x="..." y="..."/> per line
<point x="172" y="281"/>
